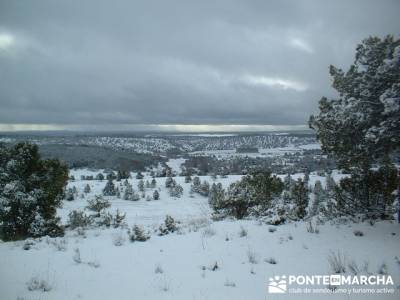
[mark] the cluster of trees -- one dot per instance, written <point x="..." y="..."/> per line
<point x="252" y="193"/>
<point x="313" y="160"/>
<point x="175" y="190"/>
<point x="202" y="188"/>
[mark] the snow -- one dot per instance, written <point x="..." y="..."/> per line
<point x="186" y="258"/>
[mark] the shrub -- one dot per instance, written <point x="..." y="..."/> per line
<point x="255" y="190"/>
<point x="337" y="262"/>
<point x="358" y="233"/>
<point x="169" y="226"/>
<point x="138" y="234"/>
<point x="37" y="284"/>
<point x="78" y="218"/>
<point x="311" y="228"/>
<point x="98" y="204"/>
<point x="252" y="257"/>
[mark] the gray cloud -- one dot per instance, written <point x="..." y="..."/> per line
<point x="177" y="62"/>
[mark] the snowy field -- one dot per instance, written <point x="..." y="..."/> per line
<point x="205" y="259"/>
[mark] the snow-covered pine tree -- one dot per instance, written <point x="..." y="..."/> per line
<point x="300" y="198"/>
<point x="30" y="191"/>
<point x="362" y="126"/>
<point x="86" y="190"/>
<point x="141" y="185"/>
<point x="153" y="183"/>
<point x="109" y="189"/>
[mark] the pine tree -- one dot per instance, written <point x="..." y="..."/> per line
<point x="97" y="205"/>
<point x="109" y="189"/>
<point x="169" y="182"/>
<point x="362" y="126"/>
<point x="86" y="190"/>
<point x="138" y="234"/>
<point x="216" y="194"/>
<point x="153" y="183"/>
<point x="141" y="185"/>
<point x="300" y="198"/>
<point x="176" y="191"/>
<point x="31" y="189"/>
<point x="100" y="177"/>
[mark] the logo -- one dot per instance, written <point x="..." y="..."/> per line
<point x="277" y="285"/>
<point x="382" y="284"/>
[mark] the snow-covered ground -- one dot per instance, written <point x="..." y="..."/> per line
<point x="180" y="265"/>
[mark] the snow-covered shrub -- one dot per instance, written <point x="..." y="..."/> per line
<point x="78" y="218"/>
<point x="358" y="233"/>
<point x="176" y="191"/>
<point x="169" y="226"/>
<point x="38" y="284"/>
<point x="30" y="191"/>
<point x="98" y="204"/>
<point x="156" y="195"/>
<point x="337" y="262"/>
<point x="169" y="182"/>
<point x="209" y="232"/>
<point x="28" y="244"/>
<point x="194" y="224"/>
<point x="129" y="193"/>
<point x="141" y="185"/>
<point x="118" y="218"/>
<point x="109" y="189"/>
<point x="59" y="243"/>
<point x="86" y="190"/>
<point x="311" y="228"/>
<point x="216" y="194"/>
<point x="137" y="234"/>
<point x="153" y="183"/>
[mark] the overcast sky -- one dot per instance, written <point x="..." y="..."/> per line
<point x="113" y="64"/>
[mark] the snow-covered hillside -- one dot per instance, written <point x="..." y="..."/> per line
<point x="204" y="259"/>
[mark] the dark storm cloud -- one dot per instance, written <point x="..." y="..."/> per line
<point x="177" y="62"/>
